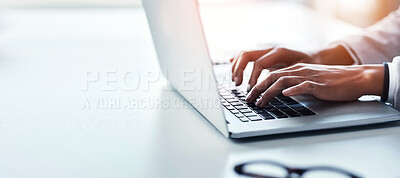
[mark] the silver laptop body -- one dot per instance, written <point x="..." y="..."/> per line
<point x="184" y="58"/>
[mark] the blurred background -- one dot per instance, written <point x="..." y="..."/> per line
<point x="361" y="13"/>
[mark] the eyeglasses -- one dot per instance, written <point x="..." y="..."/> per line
<point x="271" y="169"/>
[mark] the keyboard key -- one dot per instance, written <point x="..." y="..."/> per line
<point x="225" y="104"/>
<point x="268" y="106"/>
<point x="230" y="107"/>
<point x="305" y="112"/>
<point x="251" y="105"/>
<point x="232" y="100"/>
<point x="254" y="118"/>
<point x="266" y="116"/>
<point x="254" y="107"/>
<point x="259" y="110"/>
<point x="234" y="111"/>
<point x="242" y="98"/>
<point x="249" y="114"/>
<point x="244" y="119"/>
<point x="280" y="106"/>
<point x="241" y="107"/>
<point x="286" y="109"/>
<point x="245" y="110"/>
<point x="239" y="115"/>
<point x="275" y="101"/>
<point x="228" y="97"/>
<point x="237" y="104"/>
<point x="241" y="95"/>
<point x="234" y="91"/>
<point x="290" y="112"/>
<point x="277" y="113"/>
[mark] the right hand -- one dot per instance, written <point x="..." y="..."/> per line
<point x="277" y="58"/>
<point x="272" y="59"/>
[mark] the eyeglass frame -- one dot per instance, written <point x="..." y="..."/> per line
<point x="290" y="170"/>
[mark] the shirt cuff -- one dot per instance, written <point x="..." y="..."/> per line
<point x="393" y="77"/>
<point x="385" y="91"/>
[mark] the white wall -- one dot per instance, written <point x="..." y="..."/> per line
<point x="68" y="3"/>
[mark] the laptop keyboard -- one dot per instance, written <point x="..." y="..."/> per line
<point x="280" y="107"/>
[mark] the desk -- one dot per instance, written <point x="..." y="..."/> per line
<point x="48" y="129"/>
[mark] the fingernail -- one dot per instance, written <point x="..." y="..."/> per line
<point x="258" y="103"/>
<point x="237" y="81"/>
<point x="286" y="92"/>
<point x="248" y="98"/>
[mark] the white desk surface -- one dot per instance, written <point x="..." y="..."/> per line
<point x="45" y="131"/>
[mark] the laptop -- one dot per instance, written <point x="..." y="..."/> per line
<point x="185" y="62"/>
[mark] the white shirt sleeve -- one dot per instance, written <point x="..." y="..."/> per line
<point x="377" y="44"/>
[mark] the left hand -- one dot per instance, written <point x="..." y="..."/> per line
<point x="326" y="82"/>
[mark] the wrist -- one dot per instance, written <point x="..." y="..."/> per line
<point x="373" y="77"/>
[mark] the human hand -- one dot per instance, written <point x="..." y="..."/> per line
<point x="334" y="83"/>
<point x="277" y="58"/>
<point x="273" y="58"/>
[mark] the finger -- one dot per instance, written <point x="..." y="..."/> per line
<point x="280" y="58"/>
<point x="243" y="59"/>
<point x="252" y="54"/>
<point x="231" y="60"/>
<point x="296" y="66"/>
<point x="254" y="77"/>
<point x="261" y="87"/>
<point x="239" y="78"/>
<point x="278" y="87"/>
<point x="306" y="87"/>
<point x="233" y="67"/>
<point x="271" y="79"/>
<point x="275" y="59"/>
<point x="235" y="60"/>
